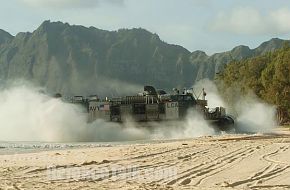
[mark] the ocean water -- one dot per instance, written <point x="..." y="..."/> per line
<point x="27" y="147"/>
<point x="7" y="148"/>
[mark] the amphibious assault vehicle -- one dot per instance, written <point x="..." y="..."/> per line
<point x="155" y="106"/>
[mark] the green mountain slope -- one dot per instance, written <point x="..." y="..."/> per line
<point x="75" y="59"/>
<point x="5" y="37"/>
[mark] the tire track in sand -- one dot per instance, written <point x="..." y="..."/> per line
<point x="207" y="167"/>
<point x="274" y="169"/>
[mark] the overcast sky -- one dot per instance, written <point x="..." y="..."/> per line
<point x="208" y="25"/>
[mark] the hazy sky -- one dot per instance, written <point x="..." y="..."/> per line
<point x="208" y="25"/>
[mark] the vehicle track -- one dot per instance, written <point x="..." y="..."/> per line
<point x="274" y="169"/>
<point x="207" y="167"/>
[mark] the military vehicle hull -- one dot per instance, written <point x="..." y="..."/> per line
<point x="151" y="108"/>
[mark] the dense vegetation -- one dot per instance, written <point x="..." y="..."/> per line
<point x="268" y="76"/>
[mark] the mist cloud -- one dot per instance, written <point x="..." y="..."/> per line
<point x="249" y="20"/>
<point x="27" y="114"/>
<point x="64" y="4"/>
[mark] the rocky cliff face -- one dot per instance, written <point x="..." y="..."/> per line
<point x="75" y="59"/>
<point x="5" y="37"/>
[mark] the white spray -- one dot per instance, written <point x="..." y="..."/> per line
<point x="255" y="116"/>
<point x="28" y="115"/>
<point x="251" y="114"/>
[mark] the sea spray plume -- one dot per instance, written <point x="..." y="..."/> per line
<point x="255" y="116"/>
<point x="28" y="115"/>
<point x="192" y="126"/>
<point x="104" y="131"/>
<point x="252" y="115"/>
<point x="213" y="96"/>
<point x="196" y="126"/>
<point x="43" y="118"/>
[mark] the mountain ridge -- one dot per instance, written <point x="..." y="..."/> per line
<point x="5" y="37"/>
<point x="76" y="59"/>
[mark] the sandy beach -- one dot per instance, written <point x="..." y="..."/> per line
<point x="257" y="161"/>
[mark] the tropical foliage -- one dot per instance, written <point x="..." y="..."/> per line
<point x="268" y="76"/>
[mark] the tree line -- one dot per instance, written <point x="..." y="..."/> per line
<point x="268" y="76"/>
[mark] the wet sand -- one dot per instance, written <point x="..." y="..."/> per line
<point x="260" y="161"/>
